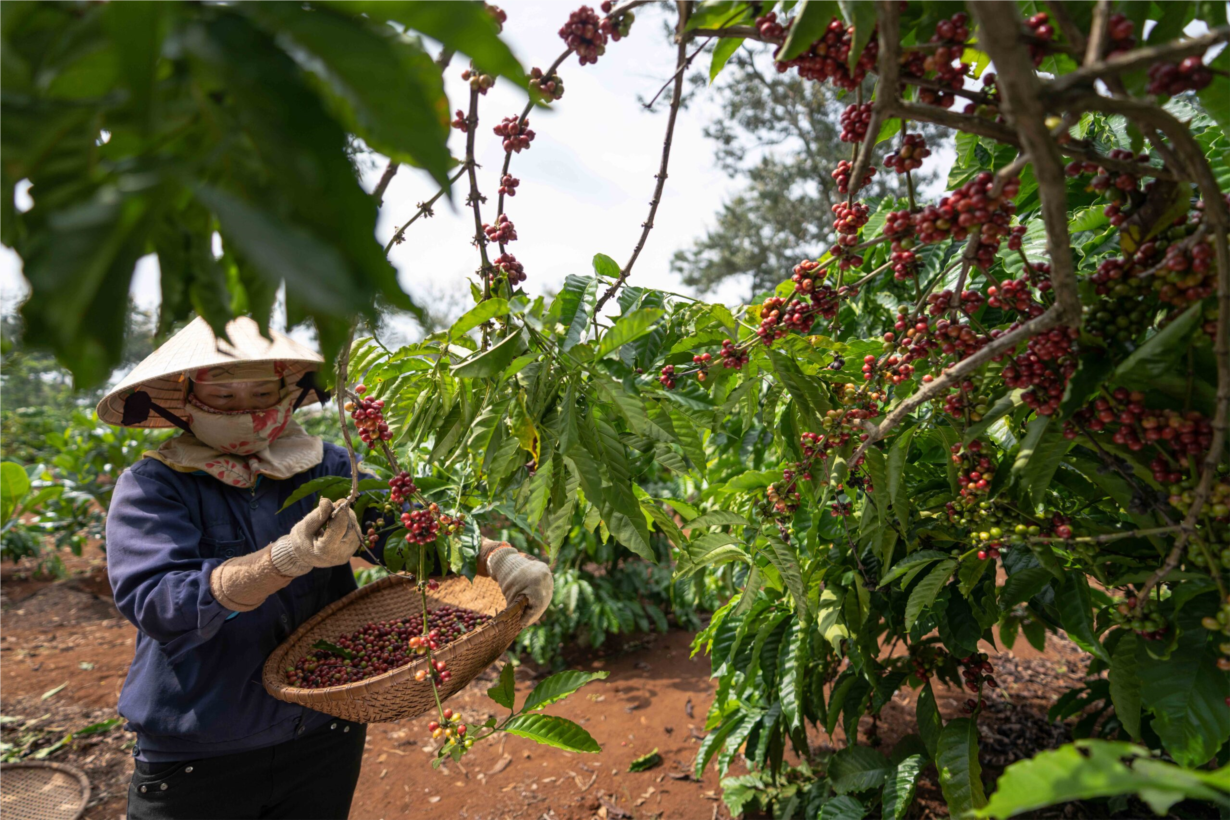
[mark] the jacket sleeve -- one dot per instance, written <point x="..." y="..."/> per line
<point x="158" y="576"/>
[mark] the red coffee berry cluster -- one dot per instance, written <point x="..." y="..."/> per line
<point x="952" y="30"/>
<point x="925" y="660"/>
<point x="815" y="445"/>
<point x="667" y="377"/>
<point x="828" y="58"/>
<point x="439" y="672"/>
<point x="550" y="87"/>
<point x="503" y="231"/>
<point x="1043" y="31"/>
<point x="972" y="206"/>
<point x="1105" y="179"/>
<point x="1189" y="274"/>
<point x="974" y="470"/>
<point x="1180" y="437"/>
<point x="481" y="83"/>
<point x="508" y="185"/>
<point x="401" y="487"/>
<point x="732" y="357"/>
<point x="459" y="122"/>
<point x="702" y="361"/>
<point x="977" y="670"/>
<point x="910" y="155"/>
<point x="452" y="524"/>
<point x="1046" y="366"/>
<point x="452" y="730"/>
<point x="380" y="647"/>
<point x="507" y="266"/>
<point x="423" y="526"/>
<point x="854" y="122"/>
<point x="368" y="416"/>
<point x="783" y="497"/>
<point x="517" y="134"/>
<point x="1014" y="294"/>
<point x="842" y="176"/>
<point x="941" y="302"/>
<point x="583" y="34"/>
<point x="1121" y="32"/>
<point x="945" y="61"/>
<point x="900" y="227"/>
<point x="1169" y="79"/>
<point x="769" y="28"/>
<point x="848" y="218"/>
<point x="778" y="317"/>
<point x="803" y="275"/>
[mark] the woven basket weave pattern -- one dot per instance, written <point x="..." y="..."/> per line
<point x="42" y="791"/>
<point x="396" y="694"/>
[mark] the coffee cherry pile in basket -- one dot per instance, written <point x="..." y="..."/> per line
<point x="379" y="647"/>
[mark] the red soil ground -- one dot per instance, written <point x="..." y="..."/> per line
<point x="69" y="634"/>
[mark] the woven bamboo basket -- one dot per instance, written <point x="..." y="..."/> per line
<point x="35" y="790"/>
<point x="396" y="694"/>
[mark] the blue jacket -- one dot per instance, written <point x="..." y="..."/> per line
<point x="194" y="688"/>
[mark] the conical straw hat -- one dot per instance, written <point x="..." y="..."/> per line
<point x="164" y="373"/>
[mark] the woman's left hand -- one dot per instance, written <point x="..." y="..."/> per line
<point x="518" y="574"/>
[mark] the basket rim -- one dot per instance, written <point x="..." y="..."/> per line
<point x="82" y="779"/>
<point x="346" y="691"/>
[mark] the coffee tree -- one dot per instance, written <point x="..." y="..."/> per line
<point x="999" y="413"/>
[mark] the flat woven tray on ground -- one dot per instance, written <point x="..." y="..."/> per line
<point x="396" y="694"/>
<point x="42" y="791"/>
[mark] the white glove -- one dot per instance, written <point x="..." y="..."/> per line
<point x="316" y="541"/>
<point x="518" y="574"/>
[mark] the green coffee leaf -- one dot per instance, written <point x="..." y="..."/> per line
<point x="559" y="686"/>
<point x="550" y="730"/>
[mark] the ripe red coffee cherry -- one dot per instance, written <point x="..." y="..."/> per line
<point x="1174" y="78"/>
<point x="422" y="526"/>
<point x="550" y="87"/>
<point x="910" y="155"/>
<point x="516" y="132"/>
<point x="583" y="34"/>
<point x="507" y="266"/>
<point x="503" y="231"/>
<point x="854" y="122"/>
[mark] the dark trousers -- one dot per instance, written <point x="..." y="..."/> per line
<point x="309" y="778"/>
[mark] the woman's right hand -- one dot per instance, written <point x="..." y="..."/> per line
<point x="318" y="540"/>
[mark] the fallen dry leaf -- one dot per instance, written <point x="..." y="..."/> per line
<point x="500" y="765"/>
<point x="687" y="707"/>
<point x="612" y="809"/>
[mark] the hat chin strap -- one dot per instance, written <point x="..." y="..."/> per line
<point x="137" y="406"/>
<point x="308" y="383"/>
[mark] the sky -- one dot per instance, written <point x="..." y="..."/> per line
<point x="586" y="181"/>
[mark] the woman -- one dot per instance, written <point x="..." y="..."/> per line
<point x="214" y="573"/>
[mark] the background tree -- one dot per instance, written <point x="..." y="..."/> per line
<point x="780" y="135"/>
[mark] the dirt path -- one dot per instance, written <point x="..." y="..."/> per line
<point x="68" y="634"/>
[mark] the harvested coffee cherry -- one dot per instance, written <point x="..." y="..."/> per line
<point x="383" y="646"/>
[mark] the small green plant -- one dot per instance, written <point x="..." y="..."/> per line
<point x="527" y="722"/>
